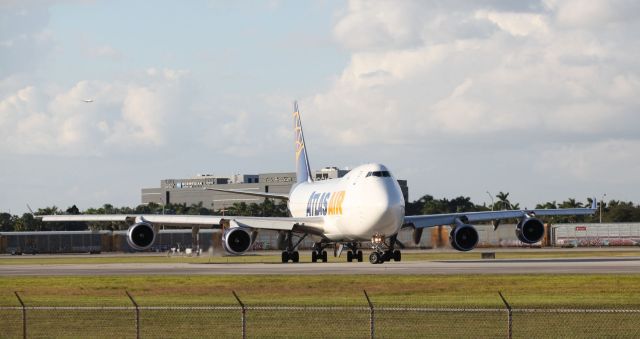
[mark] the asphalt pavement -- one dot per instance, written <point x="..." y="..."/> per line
<point x="490" y="266"/>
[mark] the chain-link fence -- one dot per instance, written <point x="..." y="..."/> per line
<point x="370" y="321"/>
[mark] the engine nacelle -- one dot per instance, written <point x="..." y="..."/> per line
<point x="463" y="237"/>
<point x="141" y="236"/>
<point x="530" y="230"/>
<point x="237" y="240"/>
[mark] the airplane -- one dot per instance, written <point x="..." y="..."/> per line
<point x="87" y="100"/>
<point x="366" y="205"/>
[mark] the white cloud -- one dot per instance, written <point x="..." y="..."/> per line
<point x="517" y="24"/>
<point x="594" y="13"/>
<point x="551" y="89"/>
<point x="121" y="116"/>
<point x="528" y="76"/>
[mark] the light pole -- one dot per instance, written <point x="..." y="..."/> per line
<point x="601" y="202"/>
<point x="491" y="197"/>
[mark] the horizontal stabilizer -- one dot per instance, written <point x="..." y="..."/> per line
<point x="252" y="193"/>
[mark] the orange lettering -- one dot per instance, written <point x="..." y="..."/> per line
<point x="332" y="203"/>
<point x="339" y="202"/>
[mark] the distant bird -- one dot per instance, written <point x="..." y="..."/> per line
<point x="87" y="100"/>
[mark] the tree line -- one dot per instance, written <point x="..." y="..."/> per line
<point x="612" y="211"/>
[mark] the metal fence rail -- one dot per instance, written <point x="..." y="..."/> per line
<point x="270" y="321"/>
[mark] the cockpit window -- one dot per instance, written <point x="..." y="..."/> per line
<point x="384" y="174"/>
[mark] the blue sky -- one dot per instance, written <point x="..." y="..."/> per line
<point x="267" y="44"/>
<point x="537" y="98"/>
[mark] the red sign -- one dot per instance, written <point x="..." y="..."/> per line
<point x="581" y="228"/>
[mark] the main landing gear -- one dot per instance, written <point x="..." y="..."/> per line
<point x="290" y="252"/>
<point x="383" y="252"/>
<point x="353" y="253"/>
<point x="318" y="253"/>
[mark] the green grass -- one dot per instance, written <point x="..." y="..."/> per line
<point x="538" y="290"/>
<point x="305" y="256"/>
<point x="463" y="291"/>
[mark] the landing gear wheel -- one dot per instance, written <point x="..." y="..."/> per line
<point x="295" y="256"/>
<point x="285" y="256"/>
<point x="314" y="256"/>
<point x="375" y="258"/>
<point x="324" y="256"/>
<point x="397" y="256"/>
<point x="359" y="256"/>
<point x="349" y="256"/>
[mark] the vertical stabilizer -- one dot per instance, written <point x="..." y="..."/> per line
<point x="303" y="171"/>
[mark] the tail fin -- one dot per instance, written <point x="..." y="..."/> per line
<point x="303" y="171"/>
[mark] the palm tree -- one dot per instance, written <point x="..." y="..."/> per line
<point x="547" y="205"/>
<point x="571" y="203"/>
<point x="503" y="199"/>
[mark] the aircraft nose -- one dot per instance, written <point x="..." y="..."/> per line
<point x="387" y="207"/>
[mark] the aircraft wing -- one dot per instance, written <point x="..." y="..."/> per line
<point x="423" y="221"/>
<point x="256" y="194"/>
<point x="309" y="224"/>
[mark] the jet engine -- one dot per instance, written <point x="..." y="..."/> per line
<point x="141" y="236"/>
<point x="463" y="237"/>
<point x="237" y="240"/>
<point x="530" y="230"/>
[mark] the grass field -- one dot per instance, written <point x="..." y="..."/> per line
<point x="536" y="290"/>
<point x="612" y="291"/>
<point x="523" y="291"/>
<point x="305" y="256"/>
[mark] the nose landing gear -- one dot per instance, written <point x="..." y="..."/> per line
<point x="383" y="252"/>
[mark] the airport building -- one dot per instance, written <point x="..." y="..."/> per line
<point x="192" y="190"/>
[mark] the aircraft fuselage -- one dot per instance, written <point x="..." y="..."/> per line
<point x="367" y="201"/>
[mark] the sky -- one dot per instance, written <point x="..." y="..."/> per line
<point x="540" y="99"/>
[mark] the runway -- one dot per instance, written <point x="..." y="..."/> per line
<point x="500" y="266"/>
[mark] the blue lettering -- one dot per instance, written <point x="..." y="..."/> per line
<point x="319" y="204"/>
<point x="314" y="209"/>
<point x="309" y="204"/>
<point x="325" y="202"/>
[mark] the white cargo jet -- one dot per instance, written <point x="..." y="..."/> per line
<point x="364" y="205"/>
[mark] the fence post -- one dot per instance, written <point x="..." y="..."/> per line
<point x="137" y="314"/>
<point x="372" y="321"/>
<point x="24" y="316"/>
<point x="244" y="315"/>
<point x="509" y="316"/>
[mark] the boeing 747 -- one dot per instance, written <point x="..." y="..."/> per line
<point x="366" y="205"/>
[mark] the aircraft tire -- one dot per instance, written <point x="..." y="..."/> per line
<point x="324" y="256"/>
<point x="359" y="256"/>
<point x="295" y="256"/>
<point x="285" y="256"/>
<point x="375" y="258"/>
<point x="349" y="256"/>
<point x="314" y="256"/>
<point x="397" y="255"/>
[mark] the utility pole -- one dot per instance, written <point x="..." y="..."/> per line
<point x="491" y="197"/>
<point x="601" y="202"/>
